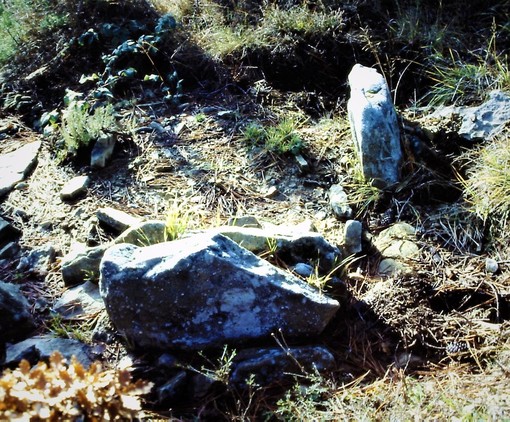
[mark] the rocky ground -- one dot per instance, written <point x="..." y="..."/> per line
<point x="448" y="301"/>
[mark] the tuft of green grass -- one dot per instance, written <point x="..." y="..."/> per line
<point x="460" y="81"/>
<point x="279" y="139"/>
<point x="176" y="223"/>
<point x="487" y="186"/>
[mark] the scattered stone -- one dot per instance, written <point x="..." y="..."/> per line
<point x="17" y="165"/>
<point x="271" y="365"/>
<point x="390" y="267"/>
<point x="82" y="263"/>
<point x="374" y="126"/>
<point x="205" y="291"/>
<point x="339" y="202"/>
<point x="15" y="318"/>
<point x="80" y="301"/>
<point x="291" y="245"/>
<point x="398" y="245"/>
<point x="303" y="165"/>
<point x="227" y="114"/>
<point x="39" y="260"/>
<point x="481" y="122"/>
<point x="102" y="151"/>
<point x="74" y="188"/>
<point x="302" y="269"/>
<point x="271" y="192"/>
<point x="40" y="348"/>
<point x="117" y="220"/>
<point x="246" y="221"/>
<point x="491" y="265"/>
<point x="173" y="389"/>
<point x="143" y="234"/>
<point x="353" y="231"/>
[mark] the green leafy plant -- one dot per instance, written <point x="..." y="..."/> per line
<point x="62" y="391"/>
<point x="117" y="66"/>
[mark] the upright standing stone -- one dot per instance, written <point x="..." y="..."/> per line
<point x="374" y="126"/>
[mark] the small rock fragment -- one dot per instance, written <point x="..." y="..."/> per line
<point x="491" y="265"/>
<point x="116" y="219"/>
<point x="74" y="188"/>
<point x="339" y="202"/>
<point x="102" y="151"/>
<point x="352" y="237"/>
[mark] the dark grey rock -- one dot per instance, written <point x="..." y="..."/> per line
<point x="374" y="126"/>
<point x="302" y="269"/>
<point x="17" y="165"/>
<point x="10" y="250"/>
<point x="7" y="232"/>
<point x="15" y="318"/>
<point x="39" y="260"/>
<point x="41" y="347"/>
<point x="205" y="291"/>
<point x="277" y="365"/>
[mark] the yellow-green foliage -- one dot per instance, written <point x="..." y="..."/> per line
<point x="60" y="391"/>
<point x="176" y="223"/>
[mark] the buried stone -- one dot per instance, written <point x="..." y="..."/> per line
<point x="204" y="291"/>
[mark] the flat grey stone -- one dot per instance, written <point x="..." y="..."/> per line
<point x="74" y="188"/>
<point x="15" y="166"/>
<point x="80" y="301"/>
<point x="40" y="348"/>
<point x="116" y="219"/>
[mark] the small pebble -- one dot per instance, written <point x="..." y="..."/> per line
<point x="304" y="270"/>
<point x="491" y="265"/>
